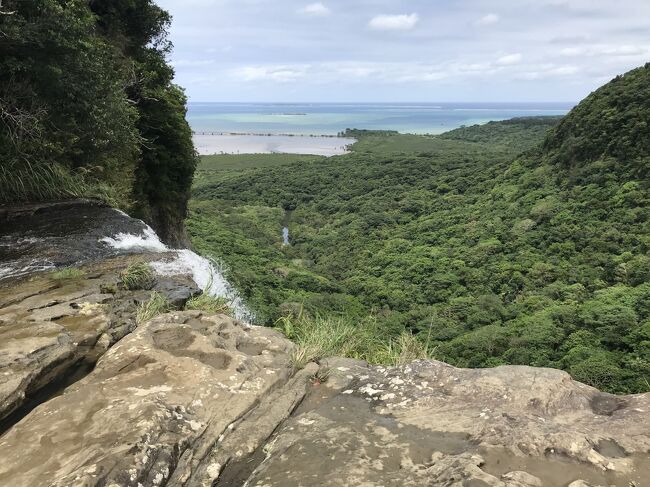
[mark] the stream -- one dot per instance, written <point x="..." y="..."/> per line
<point x="285" y="228"/>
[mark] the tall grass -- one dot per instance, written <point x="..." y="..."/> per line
<point x="209" y="304"/>
<point x="137" y="276"/>
<point x="321" y="337"/>
<point x="23" y="181"/>
<point x="148" y="310"/>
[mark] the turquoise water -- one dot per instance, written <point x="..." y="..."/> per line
<point x="331" y="118"/>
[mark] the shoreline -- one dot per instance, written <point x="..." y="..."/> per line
<point x="218" y="143"/>
<point x="262" y="134"/>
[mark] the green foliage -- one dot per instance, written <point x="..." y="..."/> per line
<point x="67" y="273"/>
<point x="240" y="162"/>
<point x="522" y="132"/>
<point x="88" y="108"/>
<point x="321" y="337"/>
<point x="155" y="306"/>
<point x="487" y="255"/>
<point x="137" y="276"/>
<point x="62" y="102"/>
<point x="209" y="304"/>
<point x="614" y="121"/>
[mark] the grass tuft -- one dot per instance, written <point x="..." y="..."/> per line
<point x="209" y="304"/>
<point x="23" y="181"/>
<point x="67" y="273"/>
<point x="137" y="276"/>
<point x="148" y="310"/>
<point x="320" y="337"/>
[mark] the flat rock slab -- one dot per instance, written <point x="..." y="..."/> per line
<point x="50" y="327"/>
<point x="151" y="403"/>
<point x="431" y="424"/>
<point x="194" y="400"/>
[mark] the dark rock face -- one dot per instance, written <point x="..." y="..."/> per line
<point x="43" y="236"/>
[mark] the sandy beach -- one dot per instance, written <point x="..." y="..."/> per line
<point x="268" y="144"/>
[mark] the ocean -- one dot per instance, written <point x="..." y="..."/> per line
<point x="332" y="118"/>
<point x="237" y="128"/>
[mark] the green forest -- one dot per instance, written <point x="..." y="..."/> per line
<point x="88" y="108"/>
<point x="517" y="242"/>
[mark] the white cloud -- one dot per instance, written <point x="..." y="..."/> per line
<point x="489" y="19"/>
<point x="359" y="72"/>
<point x="394" y="22"/>
<point x="548" y="71"/>
<point x="573" y="51"/>
<point x="510" y="59"/>
<point x="315" y="10"/>
<point x="628" y="50"/>
<point x="278" y="74"/>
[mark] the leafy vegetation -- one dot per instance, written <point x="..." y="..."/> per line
<point x="486" y="255"/>
<point x="137" y="276"/>
<point x="88" y="108"/>
<point x="209" y="304"/>
<point x="68" y="273"/>
<point x="155" y="306"/>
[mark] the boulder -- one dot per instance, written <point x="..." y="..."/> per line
<point x="166" y="395"/>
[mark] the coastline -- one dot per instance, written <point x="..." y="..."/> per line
<point x="214" y="143"/>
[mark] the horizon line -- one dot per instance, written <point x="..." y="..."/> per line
<point x="380" y="102"/>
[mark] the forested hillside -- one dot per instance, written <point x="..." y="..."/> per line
<point x="487" y="256"/>
<point x="88" y="108"/>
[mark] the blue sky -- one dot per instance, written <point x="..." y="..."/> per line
<point x="399" y="51"/>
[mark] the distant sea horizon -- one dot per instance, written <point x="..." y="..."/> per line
<point x="287" y="118"/>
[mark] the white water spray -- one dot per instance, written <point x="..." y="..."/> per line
<point x="207" y="275"/>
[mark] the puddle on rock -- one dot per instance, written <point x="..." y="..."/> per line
<point x="559" y="471"/>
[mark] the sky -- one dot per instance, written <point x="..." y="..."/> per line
<point x="404" y="51"/>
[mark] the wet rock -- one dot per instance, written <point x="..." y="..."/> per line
<point x="175" y="292"/>
<point x="431" y="424"/>
<point x="51" y="235"/>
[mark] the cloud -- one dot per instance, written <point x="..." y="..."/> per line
<point x="489" y="19"/>
<point x="573" y="51"/>
<point x="548" y="71"/>
<point x="315" y="10"/>
<point x="600" y="50"/>
<point x="394" y="22"/>
<point x="278" y="74"/>
<point x="510" y="59"/>
<point x="360" y="72"/>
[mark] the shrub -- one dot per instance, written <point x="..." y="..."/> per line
<point x="137" y="276"/>
<point x="148" y="310"/>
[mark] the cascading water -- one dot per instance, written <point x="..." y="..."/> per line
<point x="208" y="275"/>
<point x="76" y="233"/>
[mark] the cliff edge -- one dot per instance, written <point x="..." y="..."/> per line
<point x="95" y="393"/>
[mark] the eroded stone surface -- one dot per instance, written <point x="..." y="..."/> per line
<point x="49" y="327"/>
<point x="201" y="401"/>
<point x="169" y="392"/>
<point x="431" y="424"/>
